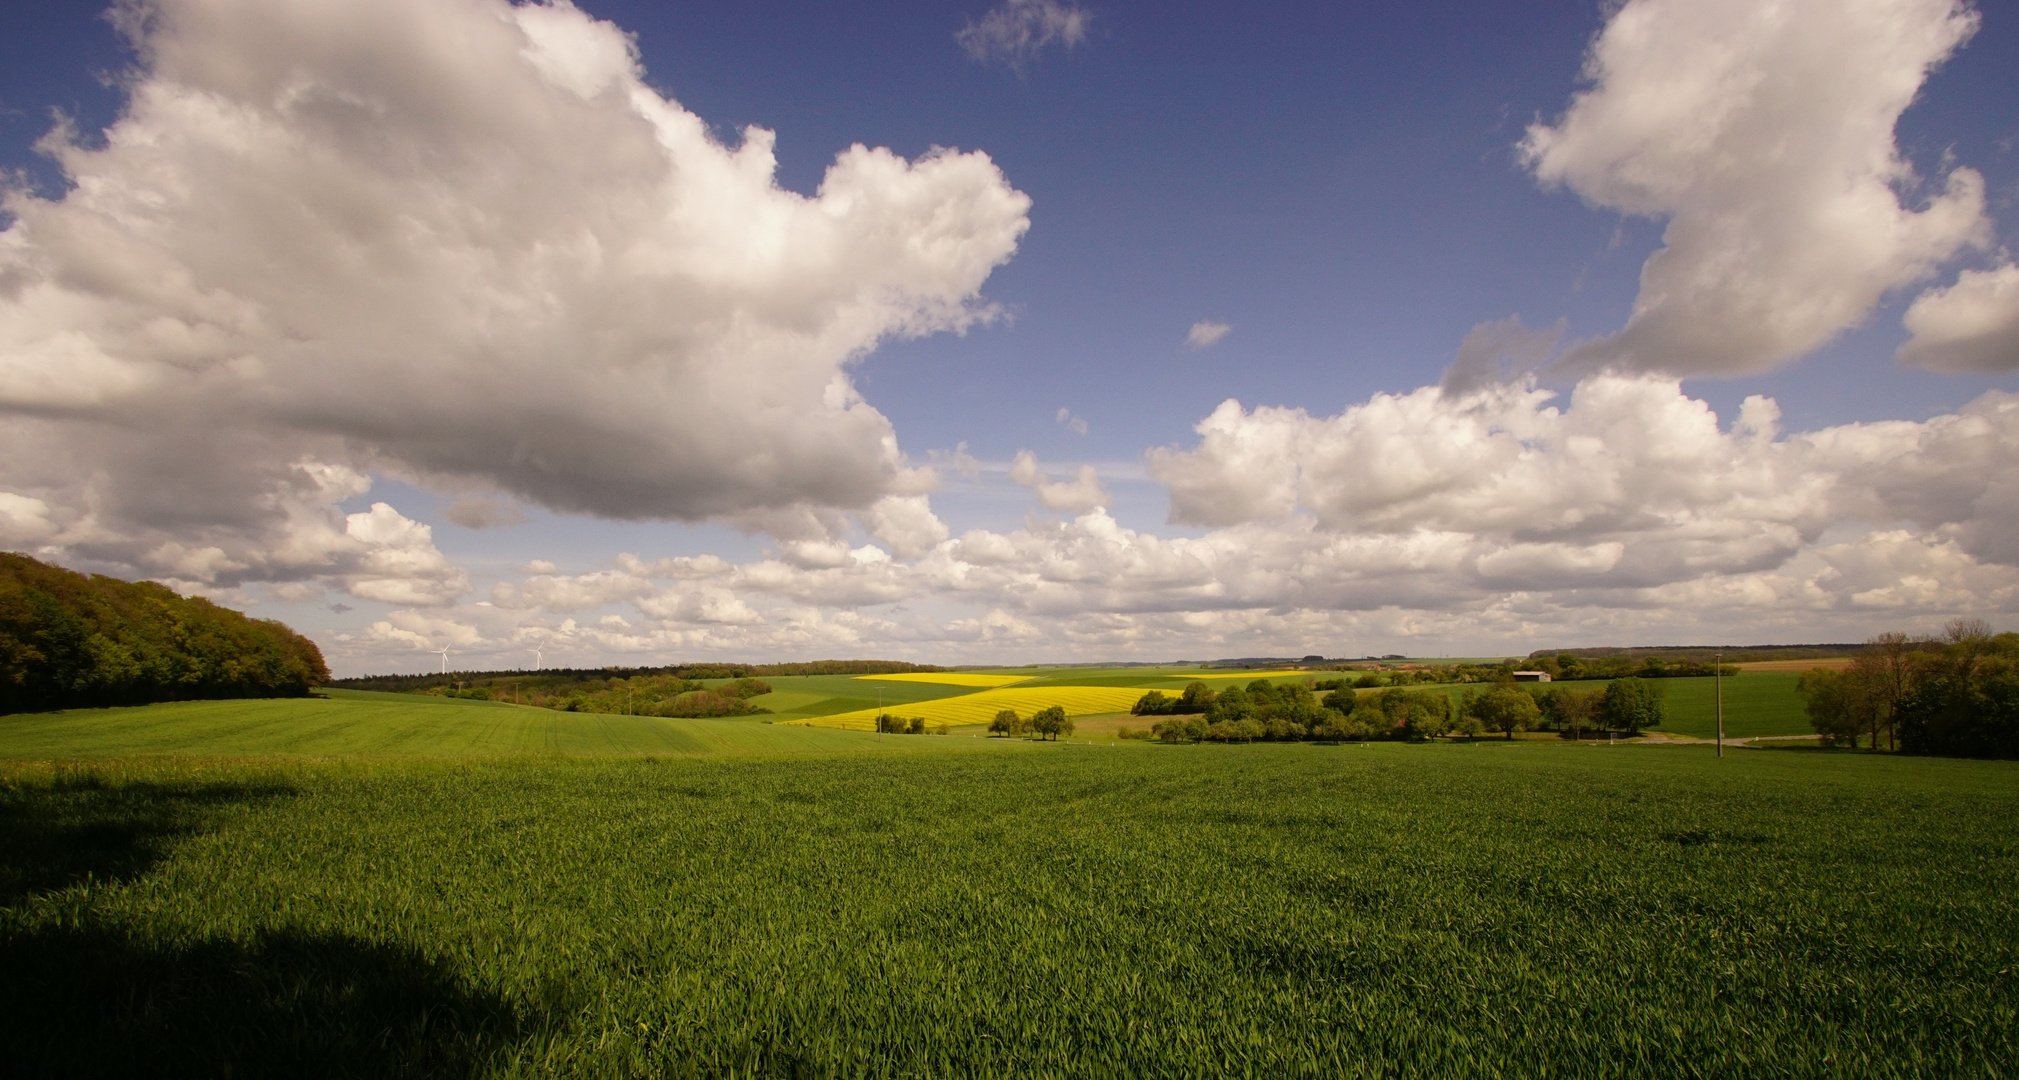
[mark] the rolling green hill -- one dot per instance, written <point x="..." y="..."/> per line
<point x="803" y="697"/>
<point x="357" y="723"/>
<point x="1279" y="910"/>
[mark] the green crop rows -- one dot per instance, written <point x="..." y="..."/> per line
<point x="988" y="908"/>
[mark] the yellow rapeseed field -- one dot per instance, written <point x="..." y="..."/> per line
<point x="949" y="678"/>
<point x="980" y="708"/>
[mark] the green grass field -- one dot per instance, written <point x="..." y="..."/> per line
<point x="802" y="697"/>
<point x="380" y="884"/>
<point x="1756" y="703"/>
<point x="362" y="724"/>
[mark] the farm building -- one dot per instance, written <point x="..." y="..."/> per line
<point x="1531" y="676"/>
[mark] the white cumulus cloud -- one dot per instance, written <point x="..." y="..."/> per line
<point x="1972" y="325"/>
<point x="907" y="524"/>
<point x="463" y="243"/>
<point x="1763" y="133"/>
<point x="1434" y="519"/>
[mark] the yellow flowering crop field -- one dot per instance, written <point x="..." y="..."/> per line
<point x="949" y="678"/>
<point x="980" y="708"/>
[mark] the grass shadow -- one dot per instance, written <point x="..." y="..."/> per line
<point x="79" y="827"/>
<point x="82" y="996"/>
<point x="99" y="1001"/>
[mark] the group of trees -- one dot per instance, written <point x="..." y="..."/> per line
<point x="890" y="724"/>
<point x="1046" y="723"/>
<point x="72" y="641"/>
<point x="1955" y="694"/>
<point x="1570" y="667"/>
<point x="643" y="695"/>
<point x="1290" y="711"/>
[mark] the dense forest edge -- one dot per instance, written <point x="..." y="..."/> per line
<point x="70" y="640"/>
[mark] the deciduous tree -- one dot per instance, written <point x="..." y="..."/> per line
<point x="1631" y="704"/>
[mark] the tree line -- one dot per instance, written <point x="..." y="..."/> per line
<point x="69" y="641"/>
<point x="1563" y="667"/>
<point x="892" y="724"/>
<point x="1955" y="694"/>
<point x="641" y="695"/>
<point x="408" y="684"/>
<point x="1293" y="711"/>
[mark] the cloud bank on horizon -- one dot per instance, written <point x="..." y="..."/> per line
<point x="296" y="263"/>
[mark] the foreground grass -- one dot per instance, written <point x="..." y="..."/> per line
<point x="1498" y="909"/>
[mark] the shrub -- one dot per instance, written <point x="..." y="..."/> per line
<point x="1153" y="703"/>
<point x="695" y="704"/>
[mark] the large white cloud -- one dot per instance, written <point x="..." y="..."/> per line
<point x="1484" y="519"/>
<point x="1763" y="133"/>
<point x="463" y="243"/>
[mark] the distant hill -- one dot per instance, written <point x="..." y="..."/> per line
<point x="1275" y="661"/>
<point x="1733" y="654"/>
<point x="72" y="641"/>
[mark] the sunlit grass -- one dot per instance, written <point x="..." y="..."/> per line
<point x="1036" y="910"/>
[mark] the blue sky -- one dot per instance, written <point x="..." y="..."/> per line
<point x="1342" y="186"/>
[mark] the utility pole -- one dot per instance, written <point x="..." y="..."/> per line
<point x="1721" y="703"/>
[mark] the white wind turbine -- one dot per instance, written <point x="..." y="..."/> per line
<point x="539" y="663"/>
<point x="444" y="650"/>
